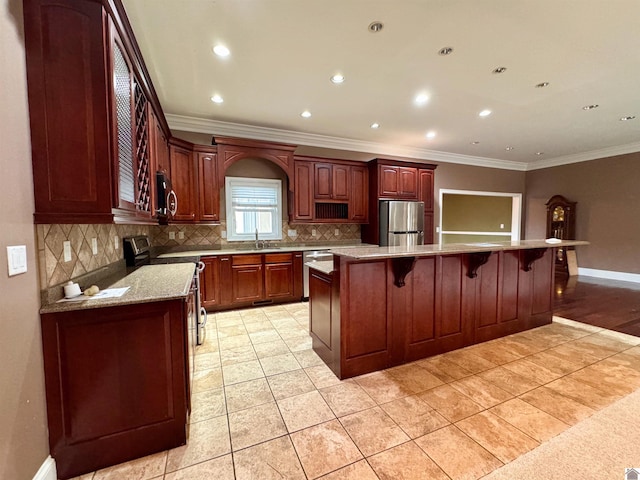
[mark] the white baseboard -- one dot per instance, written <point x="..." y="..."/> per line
<point x="47" y="470"/>
<point x="609" y="274"/>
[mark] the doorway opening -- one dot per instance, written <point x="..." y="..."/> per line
<point x="468" y="216"/>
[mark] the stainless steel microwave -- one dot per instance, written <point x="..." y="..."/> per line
<point x="167" y="199"/>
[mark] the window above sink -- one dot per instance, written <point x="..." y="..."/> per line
<point x="253" y="204"/>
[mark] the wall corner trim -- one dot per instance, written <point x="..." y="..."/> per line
<point x="47" y="470"/>
<point x="609" y="274"/>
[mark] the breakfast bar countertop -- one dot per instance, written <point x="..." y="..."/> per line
<point x="149" y="283"/>
<point x="369" y="252"/>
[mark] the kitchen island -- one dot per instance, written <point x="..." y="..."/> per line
<point x="118" y="370"/>
<point x="378" y="307"/>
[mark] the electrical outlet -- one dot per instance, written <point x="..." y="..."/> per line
<point x="181" y="235"/>
<point x="66" y="249"/>
<point x="292" y="233"/>
<point x="502" y="225"/>
<point x="336" y="232"/>
<point x="172" y="235"/>
<point x="116" y="243"/>
<point x="94" y="245"/>
<point x="313" y="232"/>
<point x="223" y="234"/>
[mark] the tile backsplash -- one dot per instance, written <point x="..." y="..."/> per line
<point x="211" y="235"/>
<point x="54" y="270"/>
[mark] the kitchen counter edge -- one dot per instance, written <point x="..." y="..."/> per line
<point x="149" y="283"/>
<point x="363" y="253"/>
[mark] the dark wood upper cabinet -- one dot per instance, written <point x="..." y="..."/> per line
<point x="302" y="192"/>
<point x="183" y="170"/>
<point x="208" y="189"/>
<point x="69" y="111"/>
<point x="398" y="182"/>
<point x="89" y="101"/>
<point x="330" y="191"/>
<point x="359" y="190"/>
<point x="322" y="181"/>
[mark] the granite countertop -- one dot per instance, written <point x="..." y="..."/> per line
<point x="150" y="283"/>
<point x="447" y="249"/>
<point x="324" y="266"/>
<point x="240" y="251"/>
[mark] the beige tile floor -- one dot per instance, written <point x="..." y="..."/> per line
<point x="266" y="407"/>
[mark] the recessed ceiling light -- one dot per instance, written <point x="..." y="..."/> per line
<point x="445" y="51"/>
<point x="499" y="70"/>
<point x="431" y="134"/>
<point x="337" y="78"/>
<point x="421" y="99"/>
<point x="542" y="85"/>
<point x="590" y="107"/>
<point x="217" y="99"/>
<point x="485" y="113"/>
<point x="375" y="27"/>
<point x="630" y="117"/>
<point x="375" y="125"/>
<point x="475" y="143"/>
<point x="221" y="51"/>
<point x="539" y="153"/>
<point x="508" y="149"/>
<point x="306" y="114"/>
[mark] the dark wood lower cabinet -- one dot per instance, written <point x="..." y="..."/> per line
<point x="246" y="278"/>
<point x="362" y="321"/>
<point x="232" y="281"/>
<point x="117" y="383"/>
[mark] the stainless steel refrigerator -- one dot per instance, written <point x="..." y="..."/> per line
<point x="401" y="223"/>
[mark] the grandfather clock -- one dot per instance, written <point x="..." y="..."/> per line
<point x="561" y="223"/>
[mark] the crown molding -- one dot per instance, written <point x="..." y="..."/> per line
<point x="214" y="127"/>
<point x="585" y="156"/>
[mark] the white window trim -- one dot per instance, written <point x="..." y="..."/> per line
<point x="263" y="182"/>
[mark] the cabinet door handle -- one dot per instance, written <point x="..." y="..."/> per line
<point x="172" y="200"/>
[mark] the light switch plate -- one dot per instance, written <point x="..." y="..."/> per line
<point x="94" y="245"/>
<point x="292" y="233"/>
<point x="181" y="235"/>
<point x="172" y="235"/>
<point x="313" y="232"/>
<point x="17" y="259"/>
<point x="223" y="234"/>
<point x="336" y="232"/>
<point x="116" y="242"/>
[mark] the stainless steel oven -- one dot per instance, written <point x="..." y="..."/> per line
<point x="137" y="252"/>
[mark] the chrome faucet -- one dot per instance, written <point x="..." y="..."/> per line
<point x="259" y="244"/>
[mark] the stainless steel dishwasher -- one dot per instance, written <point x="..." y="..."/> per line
<point x="313" y="256"/>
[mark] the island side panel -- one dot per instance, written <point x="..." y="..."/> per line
<point x="540" y="283"/>
<point x="324" y="326"/>
<point x="364" y="316"/>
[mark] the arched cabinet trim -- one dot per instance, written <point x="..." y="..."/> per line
<point x="231" y="150"/>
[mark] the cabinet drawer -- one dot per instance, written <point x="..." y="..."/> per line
<point x="246" y="259"/>
<point x="277" y="258"/>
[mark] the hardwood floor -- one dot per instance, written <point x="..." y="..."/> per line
<point x="610" y="304"/>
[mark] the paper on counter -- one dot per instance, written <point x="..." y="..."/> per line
<point x="106" y="293"/>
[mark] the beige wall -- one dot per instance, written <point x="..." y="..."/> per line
<point x="465" y="177"/>
<point x="607" y="213"/>
<point x="23" y="424"/>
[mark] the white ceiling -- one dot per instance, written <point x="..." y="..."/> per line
<point x="283" y="53"/>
